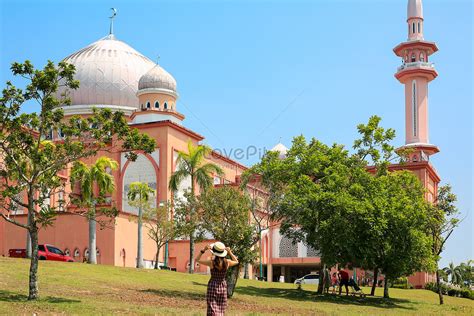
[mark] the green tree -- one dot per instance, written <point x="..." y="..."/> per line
<point x="139" y="196"/>
<point x="161" y="228"/>
<point x="87" y="178"/>
<point x="333" y="201"/>
<point x="444" y="220"/>
<point x="260" y="218"/>
<point x="30" y="161"/>
<point x="193" y="165"/>
<point x="467" y="272"/>
<point x="225" y="214"/>
<point x="405" y="243"/>
<point x="454" y="273"/>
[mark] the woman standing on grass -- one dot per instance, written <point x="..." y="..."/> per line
<point x="216" y="296"/>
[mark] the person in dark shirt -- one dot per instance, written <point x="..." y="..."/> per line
<point x="343" y="280"/>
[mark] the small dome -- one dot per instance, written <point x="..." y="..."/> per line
<point x="280" y="149"/>
<point x="157" y="78"/>
<point x="414" y="9"/>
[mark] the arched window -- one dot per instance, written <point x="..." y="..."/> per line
<point x="422" y="57"/>
<point x="414" y="108"/>
<point x="157" y="105"/>
<point x="419" y="27"/>
<point x="413" y="58"/>
<point x="413" y="27"/>
<point x="148" y="105"/>
<point x="165" y="106"/>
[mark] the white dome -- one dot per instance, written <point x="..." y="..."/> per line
<point x="108" y="72"/>
<point x="157" y="78"/>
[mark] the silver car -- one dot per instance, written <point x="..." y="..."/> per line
<point x="308" y="279"/>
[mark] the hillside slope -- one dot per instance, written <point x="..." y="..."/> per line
<point x="84" y="289"/>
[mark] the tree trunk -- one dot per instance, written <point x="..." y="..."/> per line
<point x="33" y="282"/>
<point x="246" y="271"/>
<point x="140" y="240"/>
<point x="92" y="240"/>
<point x="191" y="236"/>
<point x="191" y="253"/>
<point x="440" y="292"/>
<point x="385" y="288"/>
<point x="28" y="238"/>
<point x="374" y="284"/>
<point x="321" y="279"/>
<point x="231" y="279"/>
<point x="157" y="257"/>
<point x="260" y="268"/>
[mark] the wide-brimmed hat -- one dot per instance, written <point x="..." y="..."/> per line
<point x="218" y="249"/>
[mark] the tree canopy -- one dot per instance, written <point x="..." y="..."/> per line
<point x="326" y="197"/>
<point x="35" y="147"/>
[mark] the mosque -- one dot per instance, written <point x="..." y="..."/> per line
<point x="114" y="75"/>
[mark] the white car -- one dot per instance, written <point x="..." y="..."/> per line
<point x="308" y="279"/>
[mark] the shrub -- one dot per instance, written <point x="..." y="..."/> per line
<point x="453" y="292"/>
<point x="431" y="286"/>
<point x="401" y="283"/>
<point x="465" y="293"/>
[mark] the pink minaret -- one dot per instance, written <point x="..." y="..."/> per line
<point x="415" y="73"/>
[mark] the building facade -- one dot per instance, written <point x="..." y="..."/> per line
<point x="114" y="75"/>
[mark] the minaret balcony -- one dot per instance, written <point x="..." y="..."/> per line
<point x="417" y="68"/>
<point x="417" y="64"/>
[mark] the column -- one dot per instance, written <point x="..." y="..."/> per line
<point x="269" y="272"/>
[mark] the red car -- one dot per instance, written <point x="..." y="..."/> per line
<point x="45" y="252"/>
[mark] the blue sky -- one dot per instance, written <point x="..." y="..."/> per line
<point x="251" y="73"/>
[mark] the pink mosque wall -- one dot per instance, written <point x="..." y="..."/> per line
<point x="125" y="238"/>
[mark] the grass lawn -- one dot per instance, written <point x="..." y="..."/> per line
<point x="76" y="288"/>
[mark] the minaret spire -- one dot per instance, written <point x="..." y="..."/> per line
<point x="114" y="13"/>
<point x="415" y="73"/>
<point x="415" y="20"/>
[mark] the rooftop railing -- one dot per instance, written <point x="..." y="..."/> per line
<point x="420" y="64"/>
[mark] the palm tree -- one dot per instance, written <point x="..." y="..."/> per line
<point x="467" y="271"/>
<point x="139" y="194"/>
<point x="455" y="272"/>
<point x="87" y="177"/>
<point x="194" y="166"/>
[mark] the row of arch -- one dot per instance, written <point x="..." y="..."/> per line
<point x="77" y="252"/>
<point x="413" y="29"/>
<point x="413" y="58"/>
<point x="156" y="105"/>
<point x="60" y="133"/>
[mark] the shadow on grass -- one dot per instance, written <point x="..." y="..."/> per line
<point x="301" y="295"/>
<point x="7" y="296"/>
<point x="176" y="294"/>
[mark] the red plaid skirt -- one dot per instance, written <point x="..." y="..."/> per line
<point x="216" y="293"/>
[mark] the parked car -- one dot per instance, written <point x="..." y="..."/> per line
<point x="45" y="252"/>
<point x="308" y="279"/>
